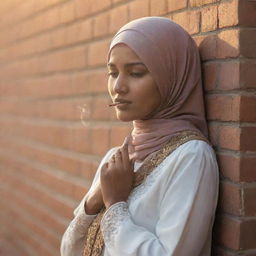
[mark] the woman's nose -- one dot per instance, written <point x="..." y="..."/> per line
<point x="120" y="85"/>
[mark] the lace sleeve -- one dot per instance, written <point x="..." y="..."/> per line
<point x="112" y="219"/>
<point x="74" y="236"/>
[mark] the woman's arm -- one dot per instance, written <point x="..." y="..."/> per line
<point x="73" y="240"/>
<point x="186" y="212"/>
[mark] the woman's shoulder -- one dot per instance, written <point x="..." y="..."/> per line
<point x="196" y="156"/>
<point x="192" y="152"/>
<point x="195" y="147"/>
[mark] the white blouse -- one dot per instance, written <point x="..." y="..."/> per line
<point x="170" y="213"/>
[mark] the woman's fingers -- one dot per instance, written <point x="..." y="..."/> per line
<point x="125" y="156"/>
<point x="118" y="160"/>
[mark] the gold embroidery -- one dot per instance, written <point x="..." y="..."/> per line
<point x="94" y="242"/>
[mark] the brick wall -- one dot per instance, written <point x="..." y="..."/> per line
<point x="55" y="126"/>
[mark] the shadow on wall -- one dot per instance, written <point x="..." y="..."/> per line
<point x="221" y="76"/>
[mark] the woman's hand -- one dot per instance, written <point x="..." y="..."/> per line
<point x="117" y="177"/>
<point x="94" y="202"/>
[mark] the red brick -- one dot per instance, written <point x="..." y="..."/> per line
<point x="207" y="46"/>
<point x="158" y="7"/>
<point x="247" y="74"/>
<point x="228" y="44"/>
<point x="79" y="190"/>
<point x="36" y="211"/>
<point x="248" y="139"/>
<point x="174" y="5"/>
<point x="78" y="32"/>
<point x="101" y="25"/>
<point x="58" y="61"/>
<point x="227" y="232"/>
<point x="100" y="109"/>
<point x="50" y="19"/>
<point x="229" y="75"/>
<point x="82" y="8"/>
<point x="209" y="19"/>
<point x="58" y="37"/>
<point x="46" y="199"/>
<point x="99" y="5"/>
<point x="85" y="30"/>
<point x="118" y="134"/>
<point x="118" y="18"/>
<point x="247" y="169"/>
<point x="238" y="138"/>
<point x="248" y="238"/>
<point x="26" y="28"/>
<point x="231" y="198"/>
<point x="89" y="173"/>
<point x="230" y="137"/>
<point x="228" y="14"/>
<point x="210" y="75"/>
<point x="189" y="20"/>
<point x="223" y="107"/>
<point x="248" y="42"/>
<point x="80" y="139"/>
<point x="41" y="43"/>
<point x="48" y="86"/>
<point x="66" y="163"/>
<point x="97" y="81"/>
<point x="214" y="134"/>
<point x="201" y="2"/>
<point x="246" y="13"/>
<point x="67" y="12"/>
<point x="138" y="8"/>
<point x="38" y="228"/>
<point x="249" y="200"/>
<point x="98" y="53"/>
<point x="230" y="166"/>
<point x="80" y="84"/>
<point x="248" y="103"/>
<point x="100" y="140"/>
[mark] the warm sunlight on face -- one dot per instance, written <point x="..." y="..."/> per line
<point x="130" y="85"/>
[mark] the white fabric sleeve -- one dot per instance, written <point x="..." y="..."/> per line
<point x="185" y="216"/>
<point x="73" y="239"/>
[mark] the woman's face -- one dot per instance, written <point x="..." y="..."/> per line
<point x="130" y="85"/>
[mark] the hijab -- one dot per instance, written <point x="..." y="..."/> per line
<point x="172" y="58"/>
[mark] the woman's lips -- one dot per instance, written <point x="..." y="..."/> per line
<point x="120" y="103"/>
<point x="123" y="105"/>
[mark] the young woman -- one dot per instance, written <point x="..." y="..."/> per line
<point x="156" y="194"/>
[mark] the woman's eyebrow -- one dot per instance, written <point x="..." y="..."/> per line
<point x="110" y="64"/>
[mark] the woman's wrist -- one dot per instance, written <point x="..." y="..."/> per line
<point x="109" y="203"/>
<point x="92" y="208"/>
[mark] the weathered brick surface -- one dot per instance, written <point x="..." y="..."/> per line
<point x="189" y="20"/>
<point x="55" y="125"/>
<point x="138" y="8"/>
<point x="209" y="18"/>
<point x="158" y="7"/>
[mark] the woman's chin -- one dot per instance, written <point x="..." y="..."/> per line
<point x="124" y="117"/>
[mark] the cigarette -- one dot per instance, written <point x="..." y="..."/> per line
<point x="113" y="104"/>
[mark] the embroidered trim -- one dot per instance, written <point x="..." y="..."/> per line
<point x="112" y="218"/>
<point x="94" y="243"/>
<point x="142" y="188"/>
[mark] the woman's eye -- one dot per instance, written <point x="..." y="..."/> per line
<point x="137" y="74"/>
<point x="113" y="74"/>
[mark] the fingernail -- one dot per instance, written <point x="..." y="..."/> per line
<point x="125" y="143"/>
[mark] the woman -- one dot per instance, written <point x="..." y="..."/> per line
<point x="156" y="194"/>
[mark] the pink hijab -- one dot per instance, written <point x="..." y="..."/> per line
<point x="172" y="57"/>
